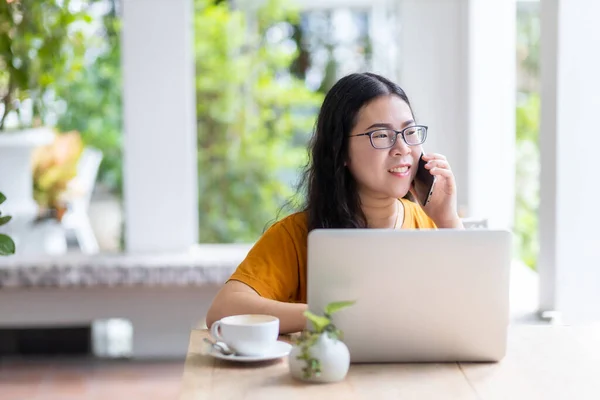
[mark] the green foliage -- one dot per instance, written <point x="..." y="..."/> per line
<point x="336" y="306"/>
<point x="528" y="119"/>
<point x="252" y="123"/>
<point x="527" y="180"/>
<point x="527" y="129"/>
<point x="38" y="49"/>
<point x="248" y="119"/>
<point x="93" y="100"/>
<point x="7" y="246"/>
<point x="319" y="322"/>
<point x="312" y="365"/>
<point x="324" y="323"/>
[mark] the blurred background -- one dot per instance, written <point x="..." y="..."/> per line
<point x="257" y="97"/>
<point x="145" y="145"/>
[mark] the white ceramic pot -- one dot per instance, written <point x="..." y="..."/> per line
<point x="332" y="355"/>
<point x="47" y="237"/>
<point x="16" y="176"/>
<point x="16" y="179"/>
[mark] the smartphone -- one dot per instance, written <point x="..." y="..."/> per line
<point x="423" y="183"/>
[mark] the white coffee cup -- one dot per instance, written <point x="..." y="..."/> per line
<point x="247" y="335"/>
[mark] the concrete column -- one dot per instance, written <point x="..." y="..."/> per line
<point x="569" y="262"/>
<point x="160" y="169"/>
<point x="458" y="68"/>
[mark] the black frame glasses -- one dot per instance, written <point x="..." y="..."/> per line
<point x="401" y="133"/>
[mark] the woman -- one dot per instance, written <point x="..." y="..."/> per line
<point x="364" y="157"/>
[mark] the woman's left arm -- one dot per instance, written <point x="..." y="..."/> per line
<point x="442" y="207"/>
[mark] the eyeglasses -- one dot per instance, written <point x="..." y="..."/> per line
<point x="386" y="138"/>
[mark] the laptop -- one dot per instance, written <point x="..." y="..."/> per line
<point x="421" y="295"/>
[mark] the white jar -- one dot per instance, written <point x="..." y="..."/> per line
<point x="330" y="355"/>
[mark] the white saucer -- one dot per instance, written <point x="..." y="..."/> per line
<point x="279" y="349"/>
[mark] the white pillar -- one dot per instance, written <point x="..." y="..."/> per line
<point x="569" y="261"/>
<point x="458" y="68"/>
<point x="160" y="169"/>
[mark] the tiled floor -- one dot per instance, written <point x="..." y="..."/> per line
<point x="86" y="379"/>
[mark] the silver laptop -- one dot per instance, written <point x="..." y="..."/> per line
<point x="421" y="295"/>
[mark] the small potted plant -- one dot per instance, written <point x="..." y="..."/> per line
<point x="7" y="246"/>
<point x="320" y="355"/>
<point x="54" y="168"/>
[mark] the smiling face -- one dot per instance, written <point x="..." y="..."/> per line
<point x="383" y="173"/>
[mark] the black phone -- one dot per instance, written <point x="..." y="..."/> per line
<point x="423" y="183"/>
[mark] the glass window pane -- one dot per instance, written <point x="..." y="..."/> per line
<point x="262" y="75"/>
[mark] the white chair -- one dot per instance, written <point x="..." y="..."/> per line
<point x="76" y="220"/>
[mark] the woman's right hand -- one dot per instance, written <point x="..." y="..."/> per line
<point x="442" y="206"/>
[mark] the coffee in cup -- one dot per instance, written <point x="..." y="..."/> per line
<point x="247" y="335"/>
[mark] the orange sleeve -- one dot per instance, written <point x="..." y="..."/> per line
<point x="271" y="267"/>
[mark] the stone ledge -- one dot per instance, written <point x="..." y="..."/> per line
<point x="202" y="265"/>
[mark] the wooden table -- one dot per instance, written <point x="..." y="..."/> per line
<point x="543" y="362"/>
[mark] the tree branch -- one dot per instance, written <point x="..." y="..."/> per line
<point x="6" y="100"/>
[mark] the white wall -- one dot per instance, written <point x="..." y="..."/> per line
<point x="433" y="53"/>
<point x="162" y="317"/>
<point x="458" y="68"/>
<point x="160" y="168"/>
<point x="491" y="108"/>
<point x="569" y="262"/>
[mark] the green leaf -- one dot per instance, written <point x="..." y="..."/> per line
<point x="319" y="322"/>
<point x="337" y="306"/>
<point x="2" y="198"/>
<point x="4" y="220"/>
<point x="7" y="246"/>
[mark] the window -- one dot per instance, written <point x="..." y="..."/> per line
<point x="262" y="74"/>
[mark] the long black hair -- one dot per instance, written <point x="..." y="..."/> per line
<point x="332" y="199"/>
